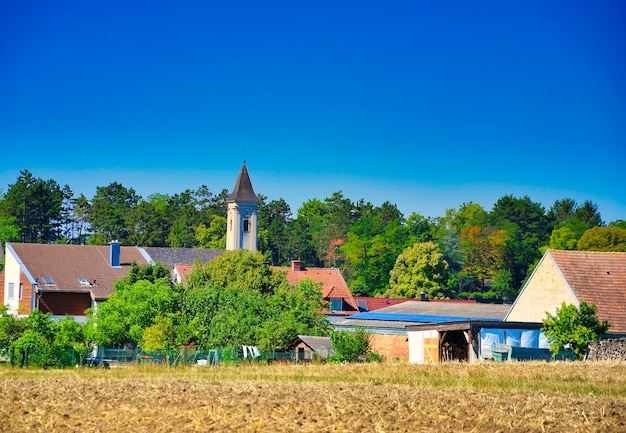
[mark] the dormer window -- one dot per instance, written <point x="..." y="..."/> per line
<point x="336" y="304"/>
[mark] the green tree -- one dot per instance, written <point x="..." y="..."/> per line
<point x="503" y="285"/>
<point x="567" y="235"/>
<point x="11" y="328"/>
<point x="37" y="339"/>
<point x="469" y="215"/>
<point x="373" y="244"/>
<point x="485" y="251"/>
<point x="294" y="310"/>
<point x="562" y="210"/>
<point x="419" y="268"/>
<point x="148" y="222"/>
<point x="311" y="218"/>
<point x="329" y="222"/>
<point x="242" y="270"/>
<point x="350" y="346"/>
<point x="213" y="236"/>
<point x="109" y="213"/>
<point x="80" y="225"/>
<point x="33" y="205"/>
<point x="588" y="214"/>
<point x="573" y="327"/>
<point x="236" y="300"/>
<point x="420" y="228"/>
<point x="130" y="310"/>
<point x="274" y="221"/>
<point x="527" y="228"/>
<point x="70" y="334"/>
<point x="151" y="273"/>
<point x="603" y="239"/>
<point x="9" y="230"/>
<point x="161" y="335"/>
<point x="570" y="221"/>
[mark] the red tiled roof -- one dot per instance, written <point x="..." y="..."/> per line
<point x="184" y="271"/>
<point x="374" y="304"/>
<point x="599" y="278"/>
<point x="333" y="284"/>
<point x="66" y="263"/>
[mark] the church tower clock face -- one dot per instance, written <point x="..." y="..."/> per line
<point x="243" y="208"/>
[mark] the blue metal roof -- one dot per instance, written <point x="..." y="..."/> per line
<point x="419" y="318"/>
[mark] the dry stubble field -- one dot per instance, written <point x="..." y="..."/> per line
<point x="489" y="397"/>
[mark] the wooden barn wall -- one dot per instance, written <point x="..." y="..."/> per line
<point x="60" y="304"/>
<point x="27" y="295"/>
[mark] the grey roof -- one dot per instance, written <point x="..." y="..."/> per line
<point x="350" y="323"/>
<point x="319" y="345"/>
<point x="412" y="312"/>
<point x="243" y="191"/>
<point x="450" y="308"/>
<point x="170" y="257"/>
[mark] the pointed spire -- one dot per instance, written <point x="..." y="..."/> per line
<point x="243" y="191"/>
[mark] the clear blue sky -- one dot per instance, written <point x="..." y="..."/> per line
<point x="424" y="104"/>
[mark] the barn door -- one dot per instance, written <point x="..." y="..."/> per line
<point x="431" y="350"/>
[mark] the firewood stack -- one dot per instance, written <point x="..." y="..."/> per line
<point x="612" y="349"/>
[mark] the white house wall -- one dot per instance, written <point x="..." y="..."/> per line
<point x="544" y="292"/>
<point x="12" y="276"/>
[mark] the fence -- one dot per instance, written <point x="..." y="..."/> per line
<point x="108" y="357"/>
<point x="48" y="357"/>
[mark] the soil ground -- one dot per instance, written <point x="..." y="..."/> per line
<point x="397" y="398"/>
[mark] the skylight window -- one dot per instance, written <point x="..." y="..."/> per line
<point x="83" y="281"/>
<point x="362" y="305"/>
<point x="48" y="281"/>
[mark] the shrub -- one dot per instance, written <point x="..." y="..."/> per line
<point x="350" y="346"/>
<point x="573" y="327"/>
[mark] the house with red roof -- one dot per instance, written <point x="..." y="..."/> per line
<point x="341" y="303"/>
<point x="573" y="277"/>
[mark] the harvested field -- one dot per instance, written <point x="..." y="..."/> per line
<point x="524" y="397"/>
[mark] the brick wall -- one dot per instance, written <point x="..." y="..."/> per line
<point x="390" y="346"/>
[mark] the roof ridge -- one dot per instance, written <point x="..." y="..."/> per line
<point x="586" y="252"/>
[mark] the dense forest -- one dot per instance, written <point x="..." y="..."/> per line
<point x="468" y="252"/>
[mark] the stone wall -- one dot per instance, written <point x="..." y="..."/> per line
<point x="609" y="349"/>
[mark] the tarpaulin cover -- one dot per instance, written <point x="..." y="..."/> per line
<point x="488" y="340"/>
<point x="543" y="341"/>
<point x="530" y="338"/>
<point x="527" y="338"/>
<point x="512" y="337"/>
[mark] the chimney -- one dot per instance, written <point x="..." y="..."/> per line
<point x="115" y="254"/>
<point x="296" y="265"/>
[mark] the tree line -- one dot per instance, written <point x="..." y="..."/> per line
<point x="468" y="252"/>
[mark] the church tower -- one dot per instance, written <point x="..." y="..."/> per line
<point x="243" y="212"/>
